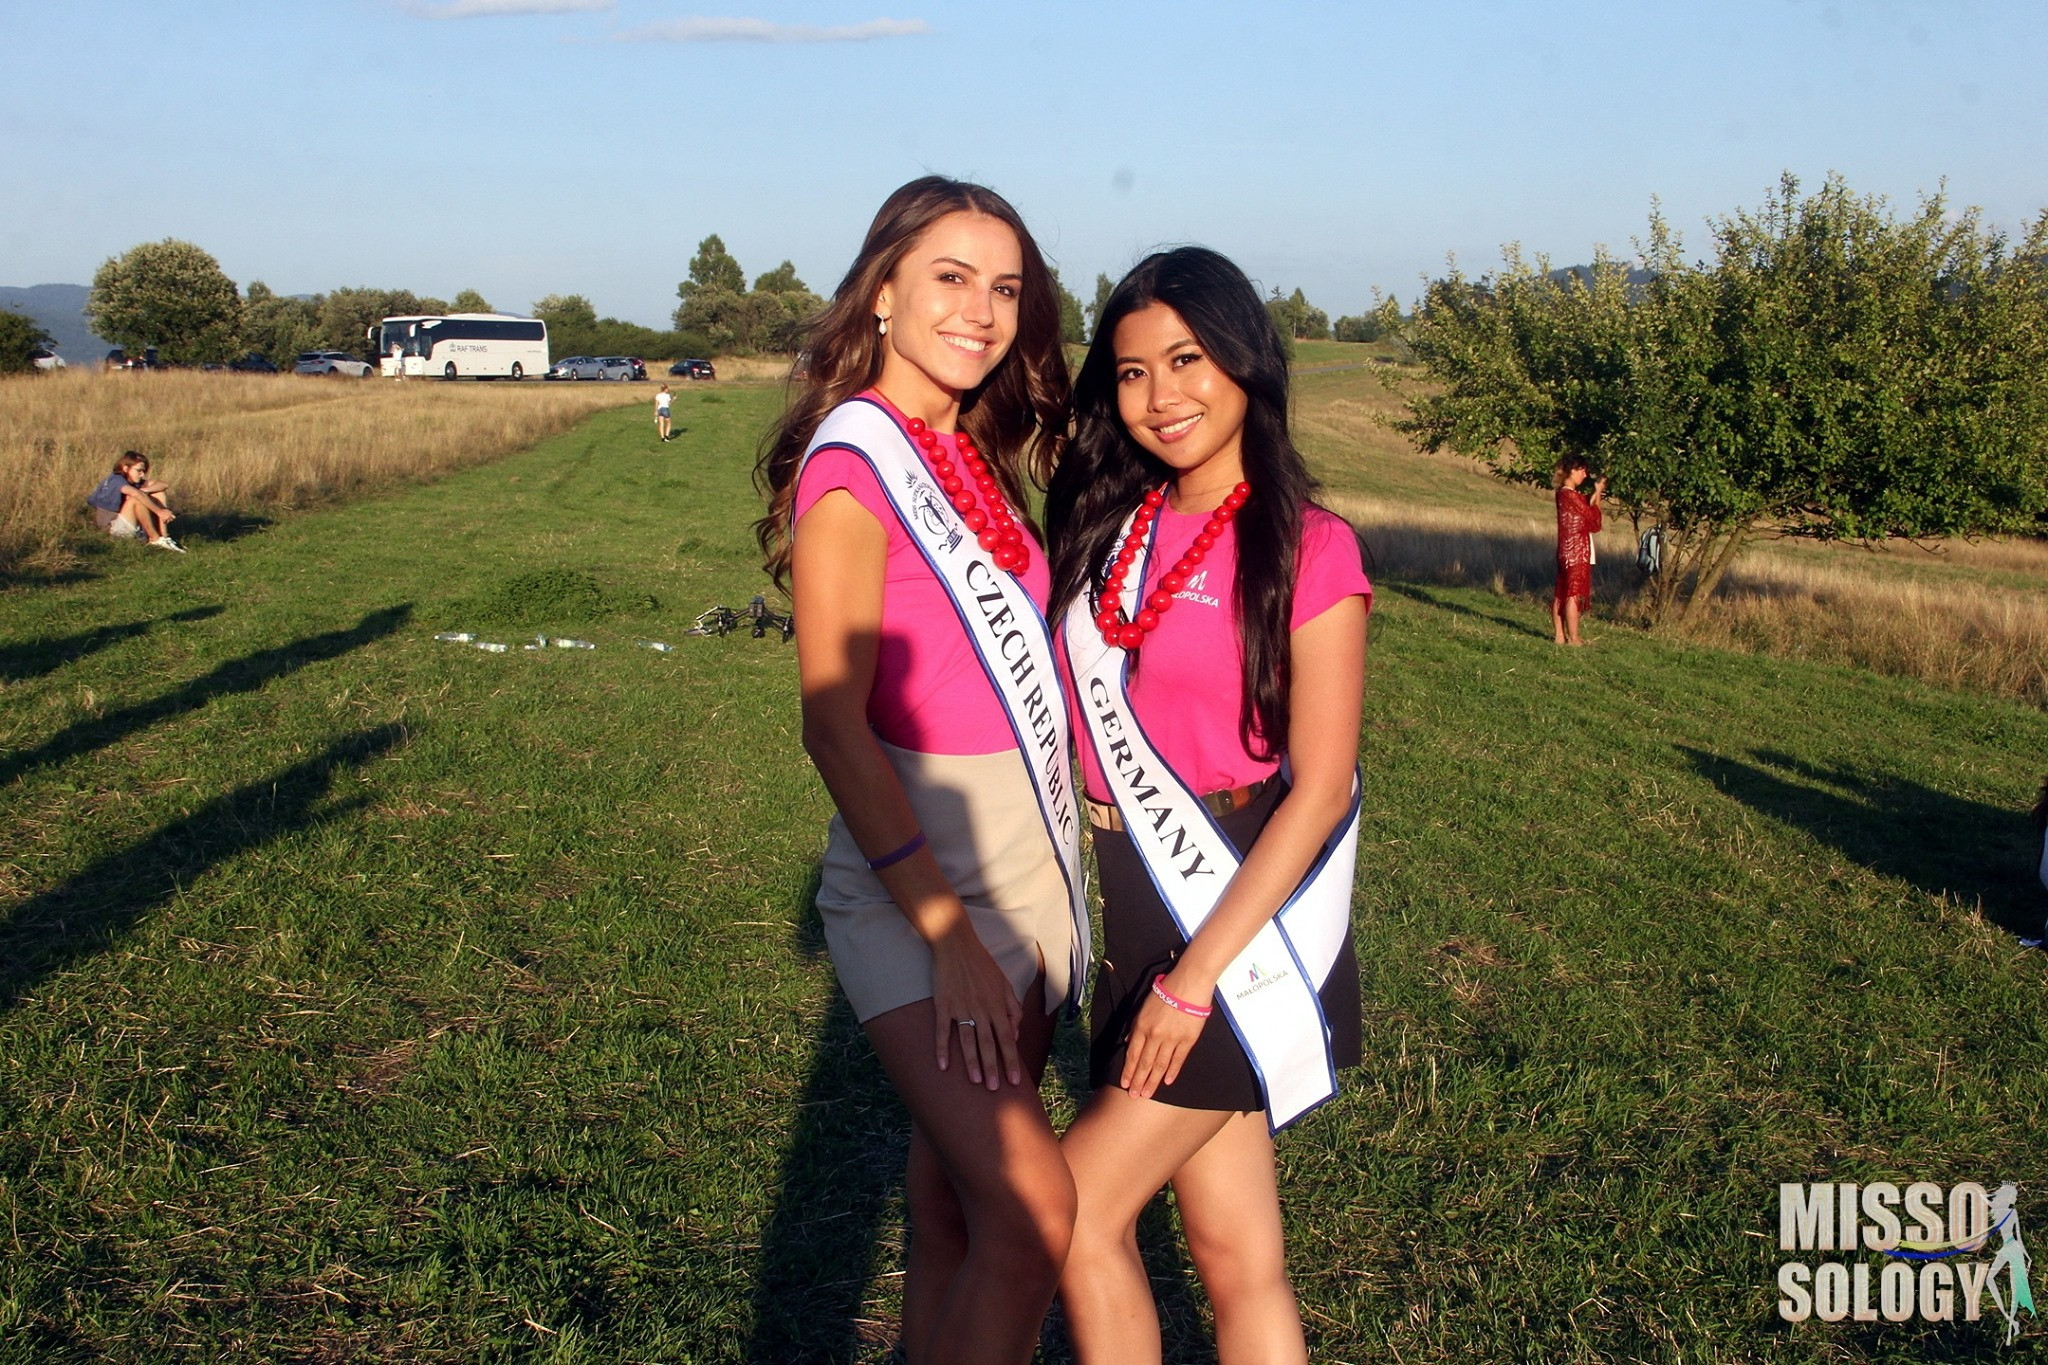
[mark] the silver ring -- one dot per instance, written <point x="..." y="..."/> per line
<point x="965" y="1023"/>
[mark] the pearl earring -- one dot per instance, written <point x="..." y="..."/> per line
<point x="882" y="326"/>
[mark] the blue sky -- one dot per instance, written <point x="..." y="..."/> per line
<point x="586" y="145"/>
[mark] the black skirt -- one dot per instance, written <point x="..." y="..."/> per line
<point x="1140" y="941"/>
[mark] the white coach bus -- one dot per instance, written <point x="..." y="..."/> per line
<point x="461" y="346"/>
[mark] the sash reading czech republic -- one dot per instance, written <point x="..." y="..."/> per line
<point x="1008" y="632"/>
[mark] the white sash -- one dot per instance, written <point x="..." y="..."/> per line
<point x="1269" y="991"/>
<point x="1009" y="634"/>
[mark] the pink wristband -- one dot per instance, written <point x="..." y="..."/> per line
<point x="1192" y="1011"/>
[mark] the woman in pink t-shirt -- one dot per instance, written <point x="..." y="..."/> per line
<point x="941" y="893"/>
<point x="1249" y="646"/>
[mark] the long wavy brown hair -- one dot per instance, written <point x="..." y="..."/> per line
<point x="1018" y="417"/>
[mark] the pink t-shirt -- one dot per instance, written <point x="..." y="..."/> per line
<point x="1189" y="681"/>
<point x="931" y="694"/>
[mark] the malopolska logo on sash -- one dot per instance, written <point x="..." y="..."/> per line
<point x="1269" y="991"/>
<point x="1008" y="632"/>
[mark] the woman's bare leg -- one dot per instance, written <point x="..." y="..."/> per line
<point x="1229" y="1197"/>
<point x="143" y="513"/>
<point x="1122" y="1151"/>
<point x="1015" y="1200"/>
<point x="1571" y="621"/>
<point x="1557" y="619"/>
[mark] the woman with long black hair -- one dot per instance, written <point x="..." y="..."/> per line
<point x="950" y="890"/>
<point x="1214" y="625"/>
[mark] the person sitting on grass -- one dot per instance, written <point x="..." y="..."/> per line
<point x="130" y="505"/>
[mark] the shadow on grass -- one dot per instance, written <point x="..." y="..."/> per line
<point x="247" y="674"/>
<point x="841" y="1175"/>
<point x="220" y="527"/>
<point x="89" y="912"/>
<point x="1430" y="599"/>
<point x="1974" y="853"/>
<point x="47" y="654"/>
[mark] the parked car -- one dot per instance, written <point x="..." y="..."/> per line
<point x="118" y="359"/>
<point x="253" y="363"/>
<point x="577" y="367"/>
<point x="46" y="359"/>
<point x="333" y="363"/>
<point x="693" y="369"/>
<point x="639" y="366"/>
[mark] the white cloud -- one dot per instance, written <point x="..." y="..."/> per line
<point x="482" y="9"/>
<point x="764" y="31"/>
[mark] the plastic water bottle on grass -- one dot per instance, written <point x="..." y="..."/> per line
<point x="489" y="648"/>
<point x="658" y="646"/>
<point x="562" y="643"/>
<point x="460" y="637"/>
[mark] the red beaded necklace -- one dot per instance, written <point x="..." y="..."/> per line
<point x="1120" y="633"/>
<point x="994" y="530"/>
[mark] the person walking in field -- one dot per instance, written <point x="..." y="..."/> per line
<point x="129" y="505"/>
<point x="951" y="890"/>
<point x="1214" y="627"/>
<point x="662" y="402"/>
<point x="1578" y="520"/>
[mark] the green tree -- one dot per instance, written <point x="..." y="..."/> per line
<point x="781" y="280"/>
<point x="1104" y="287"/>
<point x="1363" y="328"/>
<point x="1073" y="327"/>
<point x="277" y="327"/>
<point x="1297" y="318"/>
<point x="171" y="295"/>
<point x="714" y="300"/>
<point x="346" y="315"/>
<point x="780" y="307"/>
<point x="1833" y="372"/>
<point x="20" y="336"/>
<point x="469" y="301"/>
<point x="572" y="324"/>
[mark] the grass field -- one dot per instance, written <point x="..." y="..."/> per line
<point x="370" y="998"/>
<point x="236" y="449"/>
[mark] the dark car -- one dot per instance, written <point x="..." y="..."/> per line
<point x="693" y="369"/>
<point x="252" y="363"/>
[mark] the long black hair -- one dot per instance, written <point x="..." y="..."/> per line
<point x="1103" y="474"/>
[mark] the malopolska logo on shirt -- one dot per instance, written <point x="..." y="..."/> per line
<point x="1196" y="590"/>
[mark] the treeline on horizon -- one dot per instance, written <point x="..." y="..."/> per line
<point x="173" y="295"/>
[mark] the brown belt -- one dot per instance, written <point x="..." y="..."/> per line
<point x="1103" y="815"/>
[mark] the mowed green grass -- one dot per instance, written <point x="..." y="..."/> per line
<point x="364" y="997"/>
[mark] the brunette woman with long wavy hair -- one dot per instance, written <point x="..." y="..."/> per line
<point x="944" y="902"/>
<point x="1248" y="646"/>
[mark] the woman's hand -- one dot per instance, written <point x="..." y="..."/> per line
<point x="1162" y="1037"/>
<point x="972" y="998"/>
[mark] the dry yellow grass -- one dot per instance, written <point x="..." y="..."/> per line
<point x="244" y="443"/>
<point x="1958" y="615"/>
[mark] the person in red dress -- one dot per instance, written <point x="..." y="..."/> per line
<point x="1578" y="518"/>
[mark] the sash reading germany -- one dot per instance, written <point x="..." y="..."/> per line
<point x="1009" y="633"/>
<point x="1268" y="993"/>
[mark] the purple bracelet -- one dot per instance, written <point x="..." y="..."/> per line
<point x="891" y="859"/>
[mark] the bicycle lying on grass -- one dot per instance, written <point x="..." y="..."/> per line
<point x="756" y="619"/>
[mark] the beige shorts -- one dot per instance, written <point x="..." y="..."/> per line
<point x="116" y="524"/>
<point x="981" y="815"/>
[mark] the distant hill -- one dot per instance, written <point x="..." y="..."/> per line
<point x="60" y="310"/>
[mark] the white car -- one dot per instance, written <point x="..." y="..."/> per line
<point x="332" y="362"/>
<point x="47" y="359"/>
